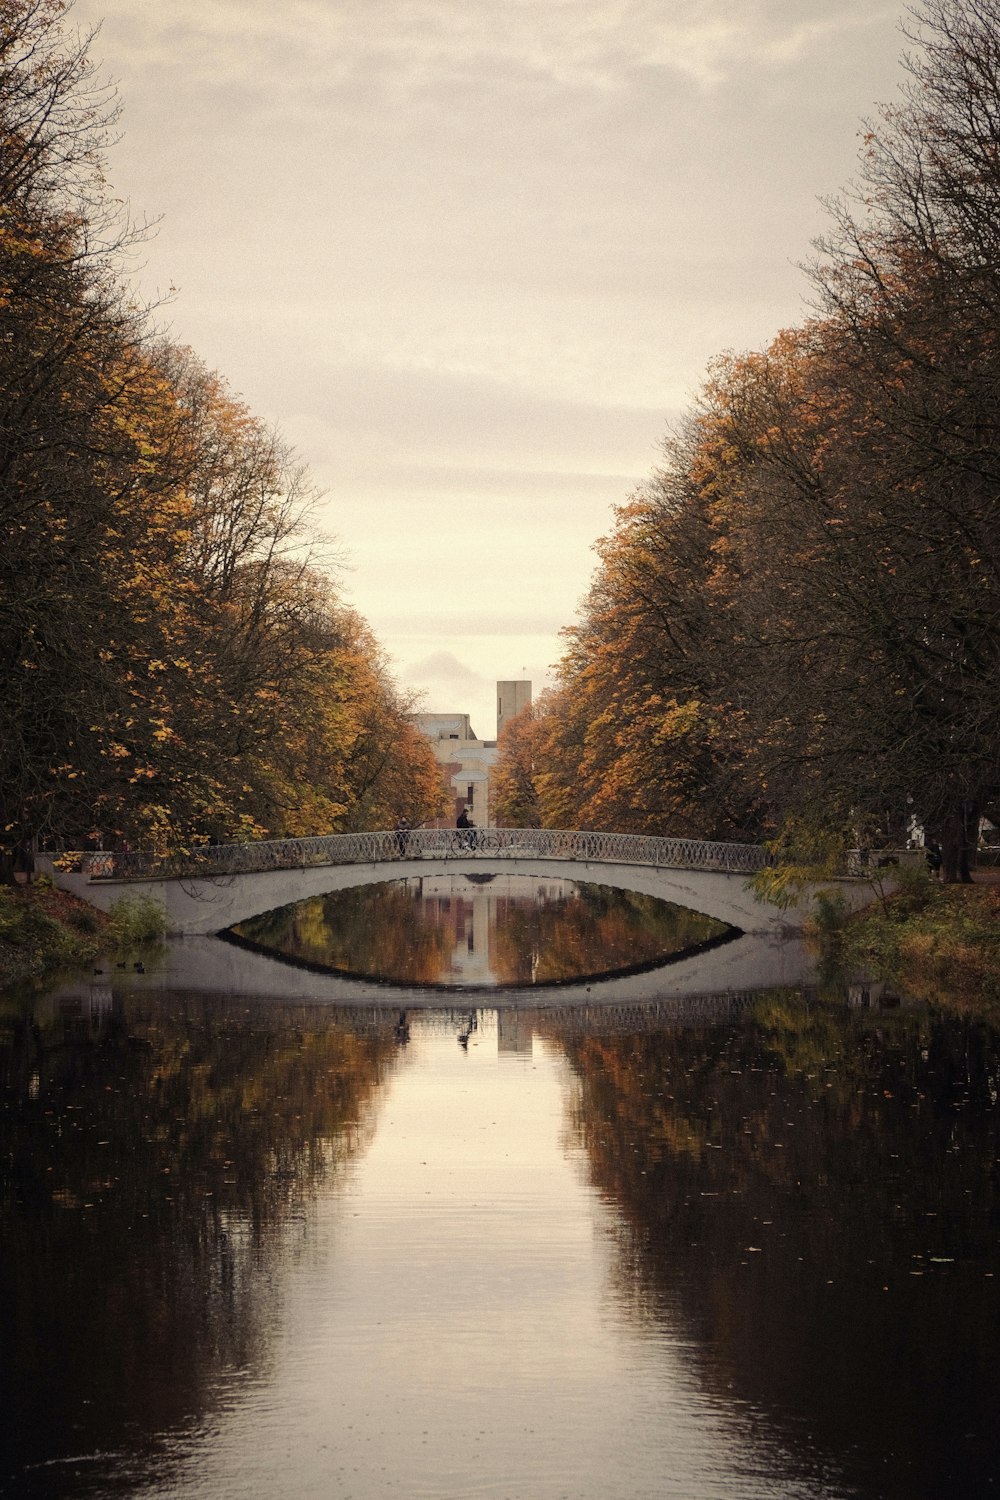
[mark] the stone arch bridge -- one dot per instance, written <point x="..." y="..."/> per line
<point x="211" y="889"/>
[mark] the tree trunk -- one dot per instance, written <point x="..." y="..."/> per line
<point x="24" y="858"/>
<point x="959" y="841"/>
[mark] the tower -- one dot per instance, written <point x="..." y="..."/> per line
<point x="512" y="697"/>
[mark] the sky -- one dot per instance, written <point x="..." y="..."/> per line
<point x="473" y="258"/>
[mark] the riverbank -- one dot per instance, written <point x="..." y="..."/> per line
<point x="939" y="943"/>
<point x="44" y="930"/>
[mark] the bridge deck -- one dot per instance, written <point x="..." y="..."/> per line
<point x="428" y="843"/>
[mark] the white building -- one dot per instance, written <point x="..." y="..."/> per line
<point x="467" y="760"/>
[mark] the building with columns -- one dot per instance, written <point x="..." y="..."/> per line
<point x="467" y="760"/>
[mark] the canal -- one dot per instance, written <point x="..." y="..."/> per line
<point x="739" y="1244"/>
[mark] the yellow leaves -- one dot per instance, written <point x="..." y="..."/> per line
<point x="681" y="719"/>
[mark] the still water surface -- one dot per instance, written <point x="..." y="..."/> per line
<point x="457" y="931"/>
<point x="254" y="1249"/>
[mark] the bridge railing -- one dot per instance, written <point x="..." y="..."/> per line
<point x="219" y="860"/>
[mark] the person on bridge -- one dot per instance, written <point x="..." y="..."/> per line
<point x="402" y="835"/>
<point x="467" y="838"/>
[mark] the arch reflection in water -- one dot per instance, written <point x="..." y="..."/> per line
<point x="482" y="930"/>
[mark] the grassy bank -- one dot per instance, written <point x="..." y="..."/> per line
<point x="938" y="943"/>
<point x="44" y="930"/>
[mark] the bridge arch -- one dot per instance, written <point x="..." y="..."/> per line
<point x="215" y="888"/>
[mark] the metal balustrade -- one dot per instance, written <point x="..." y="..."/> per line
<point x="386" y="847"/>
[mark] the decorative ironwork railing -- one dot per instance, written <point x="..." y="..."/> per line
<point x="427" y="843"/>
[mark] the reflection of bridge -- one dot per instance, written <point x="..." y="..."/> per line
<point x="257" y="992"/>
<point x="701" y="984"/>
<point x="210" y="889"/>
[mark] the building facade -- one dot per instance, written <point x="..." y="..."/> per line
<point x="468" y="761"/>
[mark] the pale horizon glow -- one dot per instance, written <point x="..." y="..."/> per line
<point x="473" y="259"/>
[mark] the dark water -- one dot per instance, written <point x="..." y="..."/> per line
<point x="483" y="930"/>
<point x="257" y="1249"/>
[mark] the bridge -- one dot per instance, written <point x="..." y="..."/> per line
<point x="209" y="889"/>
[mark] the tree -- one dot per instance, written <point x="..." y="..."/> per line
<point x="349" y="757"/>
<point x="513" y="793"/>
<point x="910" y="289"/>
<point x="67" y="343"/>
<point x="800" y="612"/>
<point x="169" y="635"/>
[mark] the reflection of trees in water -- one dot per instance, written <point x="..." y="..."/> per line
<point x="813" y="1194"/>
<point x="593" y="930"/>
<point x="369" y="930"/>
<point x="398" y="931"/>
<point x="150" y="1173"/>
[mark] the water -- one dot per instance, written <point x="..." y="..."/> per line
<point x="457" y="931"/>
<point x="254" y="1247"/>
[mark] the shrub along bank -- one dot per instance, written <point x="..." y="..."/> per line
<point x="43" y="930"/>
<point x="939" y="943"/>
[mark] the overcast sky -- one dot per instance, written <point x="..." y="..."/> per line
<point x="473" y="256"/>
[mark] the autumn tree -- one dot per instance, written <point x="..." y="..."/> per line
<point x="235" y="613"/>
<point x="911" y="284"/>
<point x="799" y="614"/>
<point x="350" y="756"/>
<point x="68" y="338"/>
<point x="629" y="739"/>
<point x="169" y="632"/>
<point x="513" y="791"/>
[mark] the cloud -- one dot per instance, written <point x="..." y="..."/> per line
<point x="463" y="679"/>
<point x="413" y="50"/>
<point x="442" y="666"/>
<point x="553" y="196"/>
<point x="476" y="626"/>
<point x="434" y="426"/>
<point x="474" y="255"/>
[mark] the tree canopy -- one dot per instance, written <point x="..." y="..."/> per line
<point x="798" y="614"/>
<point x="176" y="663"/>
